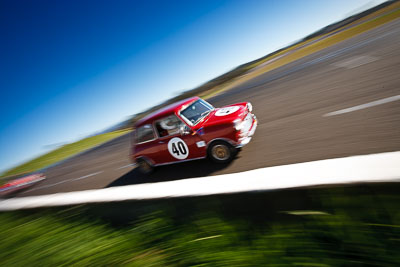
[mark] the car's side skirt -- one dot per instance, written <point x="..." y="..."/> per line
<point x="178" y="161"/>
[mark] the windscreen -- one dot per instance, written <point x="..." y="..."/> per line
<point x="196" y="111"/>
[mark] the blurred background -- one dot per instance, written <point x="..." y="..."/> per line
<point x="323" y="79"/>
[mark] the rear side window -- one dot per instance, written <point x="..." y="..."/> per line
<point x="144" y="133"/>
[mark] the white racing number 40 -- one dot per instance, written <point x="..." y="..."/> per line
<point x="178" y="148"/>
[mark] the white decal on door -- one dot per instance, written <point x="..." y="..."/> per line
<point x="178" y="148"/>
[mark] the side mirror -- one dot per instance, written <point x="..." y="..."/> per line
<point x="184" y="130"/>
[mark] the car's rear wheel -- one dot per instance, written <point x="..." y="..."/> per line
<point x="144" y="166"/>
<point x="221" y="152"/>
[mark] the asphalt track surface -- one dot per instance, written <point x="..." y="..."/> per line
<point x="296" y="106"/>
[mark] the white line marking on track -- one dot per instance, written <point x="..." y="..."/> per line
<point x="126" y="166"/>
<point x="354" y="62"/>
<point x="64" y="181"/>
<point x="86" y="176"/>
<point x="363" y="106"/>
<point x="46" y="186"/>
<point x="381" y="167"/>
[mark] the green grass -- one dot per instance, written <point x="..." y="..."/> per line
<point x="62" y="153"/>
<point x="355" y="226"/>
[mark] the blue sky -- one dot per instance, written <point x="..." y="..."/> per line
<point x="69" y="69"/>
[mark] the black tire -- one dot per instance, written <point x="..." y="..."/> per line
<point x="144" y="166"/>
<point x="221" y="152"/>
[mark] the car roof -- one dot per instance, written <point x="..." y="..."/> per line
<point x="165" y="111"/>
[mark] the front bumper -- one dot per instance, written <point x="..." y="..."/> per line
<point x="247" y="136"/>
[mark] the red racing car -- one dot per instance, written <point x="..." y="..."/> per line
<point x="192" y="129"/>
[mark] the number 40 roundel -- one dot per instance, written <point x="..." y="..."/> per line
<point x="178" y="148"/>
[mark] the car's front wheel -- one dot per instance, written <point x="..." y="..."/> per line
<point x="144" y="166"/>
<point x="221" y="152"/>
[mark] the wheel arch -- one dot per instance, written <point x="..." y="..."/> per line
<point x="226" y="140"/>
<point x="147" y="159"/>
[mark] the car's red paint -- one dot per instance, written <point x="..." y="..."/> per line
<point x="15" y="185"/>
<point x="219" y="124"/>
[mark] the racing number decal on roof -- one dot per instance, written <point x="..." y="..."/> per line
<point x="178" y="148"/>
<point x="226" y="111"/>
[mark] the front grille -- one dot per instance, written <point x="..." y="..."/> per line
<point x="247" y="122"/>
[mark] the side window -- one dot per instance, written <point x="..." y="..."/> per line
<point x="144" y="133"/>
<point x="168" y="126"/>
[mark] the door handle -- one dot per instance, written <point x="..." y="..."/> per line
<point x="161" y="142"/>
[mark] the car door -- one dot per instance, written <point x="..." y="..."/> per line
<point x="173" y="146"/>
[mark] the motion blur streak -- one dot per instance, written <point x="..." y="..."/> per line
<point x="367" y="168"/>
<point x="289" y="102"/>
<point x="335" y="226"/>
<point x="311" y="189"/>
<point x="367" y="105"/>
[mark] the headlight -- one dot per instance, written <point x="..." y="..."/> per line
<point x="238" y="124"/>
<point x="249" y="106"/>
